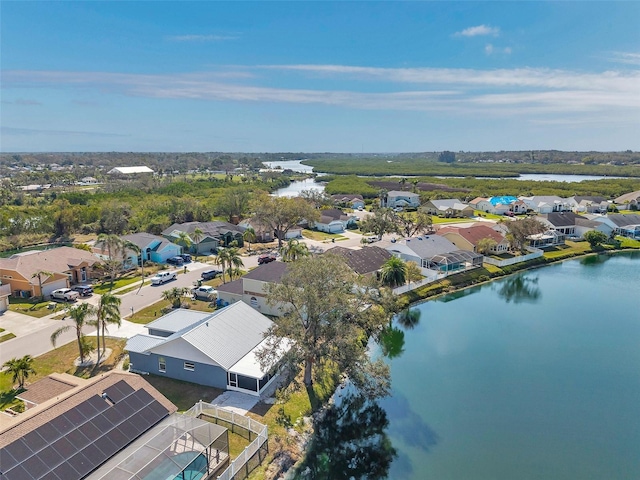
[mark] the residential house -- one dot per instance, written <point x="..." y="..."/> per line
<point x="152" y="247"/>
<point x="67" y="266"/>
<point x="217" y="350"/>
<point x="214" y="234"/>
<point x="115" y="425"/>
<point x="447" y="208"/>
<point x="5" y="292"/>
<point x="350" y="201"/>
<point x="588" y="204"/>
<point x="367" y="261"/>
<point x="549" y="238"/>
<point x="468" y="238"/>
<point x="395" y="198"/>
<point x="629" y="200"/>
<point x="480" y="203"/>
<point x="496" y="205"/>
<point x="265" y="234"/>
<point x="252" y="287"/>
<point x="625" y="224"/>
<point x="547" y="203"/>
<point x="432" y="252"/>
<point x="334" y="220"/>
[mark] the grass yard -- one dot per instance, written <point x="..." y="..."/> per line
<point x="106" y="287"/>
<point x="33" y="308"/>
<point x="626" y="242"/>
<point x="490" y="216"/>
<point x="61" y="360"/>
<point x="183" y="394"/>
<point x="322" y="236"/>
<point x="153" y="312"/>
<point x="6" y="336"/>
<point x="440" y="221"/>
<point x="570" y="249"/>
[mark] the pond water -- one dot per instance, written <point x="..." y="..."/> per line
<point x="294" y="188"/>
<point x="536" y="376"/>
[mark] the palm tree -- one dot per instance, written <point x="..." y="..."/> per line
<point x="293" y="250"/>
<point x="222" y="259"/>
<point x="108" y="312"/>
<point x="249" y="235"/>
<point x="127" y="245"/>
<point x="39" y="274"/>
<point x="197" y="237"/>
<point x="20" y="368"/>
<point x="113" y="245"/>
<point x="234" y="261"/>
<point x="174" y="295"/>
<point x="79" y="314"/>
<point x="403" y="182"/>
<point x="184" y="239"/>
<point x="394" y="272"/>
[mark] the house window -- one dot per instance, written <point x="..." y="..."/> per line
<point x="189" y="366"/>
<point x="162" y="365"/>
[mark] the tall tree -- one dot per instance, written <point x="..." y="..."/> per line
<point x="185" y="240"/>
<point x="234" y="261"/>
<point x="595" y="238"/>
<point x="380" y="222"/>
<point x="414" y="223"/>
<point x="234" y="202"/>
<point x="282" y="213"/>
<point x="293" y="250"/>
<point x="394" y="272"/>
<point x="222" y="259"/>
<point x="20" y="369"/>
<point x="107" y="312"/>
<point x="249" y="236"/>
<point x="80" y="314"/>
<point x="174" y="295"/>
<point x="197" y="237"/>
<point x="316" y="198"/>
<point x="326" y="317"/>
<point x="39" y="274"/>
<point x="127" y="245"/>
<point x="519" y="230"/>
<point x="114" y="247"/>
<point x="447" y="157"/>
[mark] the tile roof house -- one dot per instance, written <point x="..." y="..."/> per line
<point x="251" y="288"/>
<point x="447" y="208"/>
<point x="467" y="238"/>
<point x="215" y="234"/>
<point x="364" y="261"/>
<point x="217" y="351"/>
<point x="67" y="265"/>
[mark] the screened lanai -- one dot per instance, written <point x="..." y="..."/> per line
<point x="456" y="260"/>
<point x="180" y="447"/>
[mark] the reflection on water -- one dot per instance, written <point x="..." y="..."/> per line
<point x="392" y="342"/>
<point x="594" y="260"/>
<point x="520" y="288"/>
<point x="409" y="318"/>
<point x="350" y="441"/>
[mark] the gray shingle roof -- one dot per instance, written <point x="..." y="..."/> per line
<point x="425" y="246"/>
<point x="561" y="219"/>
<point x="624" y="219"/>
<point x="235" y="287"/>
<point x="363" y="261"/>
<point x="143" y="239"/>
<point x="269" y="272"/>
<point x="224" y="336"/>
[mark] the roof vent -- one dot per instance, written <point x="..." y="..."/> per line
<point x="107" y="398"/>
<point x="419" y="238"/>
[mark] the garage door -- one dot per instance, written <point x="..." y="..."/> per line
<point x="50" y="287"/>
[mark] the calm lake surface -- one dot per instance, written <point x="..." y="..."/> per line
<point x="536" y="376"/>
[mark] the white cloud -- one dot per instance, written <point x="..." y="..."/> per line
<point x="477" y="31"/>
<point x="488" y="49"/>
<point x="539" y="93"/>
<point x="201" y="38"/>
<point x="626" y="57"/>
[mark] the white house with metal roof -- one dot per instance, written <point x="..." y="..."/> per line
<point x="215" y="349"/>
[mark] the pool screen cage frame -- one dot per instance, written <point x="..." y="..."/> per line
<point x="169" y="450"/>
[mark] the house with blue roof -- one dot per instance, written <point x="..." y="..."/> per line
<point x="214" y="349"/>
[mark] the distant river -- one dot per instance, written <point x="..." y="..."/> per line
<point x="536" y="376"/>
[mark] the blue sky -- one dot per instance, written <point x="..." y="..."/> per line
<point x="319" y="76"/>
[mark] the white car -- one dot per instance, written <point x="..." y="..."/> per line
<point x="163" y="277"/>
<point x="205" y="292"/>
<point x="65" y="294"/>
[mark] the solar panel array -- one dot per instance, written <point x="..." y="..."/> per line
<point x="75" y="443"/>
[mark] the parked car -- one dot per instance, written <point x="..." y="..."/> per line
<point x="267" y="258"/>
<point x="83" y="290"/>
<point x="177" y="261"/>
<point x="163" y="277"/>
<point x="205" y="292"/>
<point x="372" y="239"/>
<point x="65" y="294"/>
<point x="186" y="258"/>
<point x="398" y="209"/>
<point x="210" y="274"/>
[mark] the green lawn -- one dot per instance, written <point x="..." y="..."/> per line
<point x="321" y="236"/>
<point x="490" y="216"/>
<point x="33" y="308"/>
<point x="7" y="336"/>
<point x="106" y="287"/>
<point x="61" y="360"/>
<point x="626" y="242"/>
<point x="570" y="249"/>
